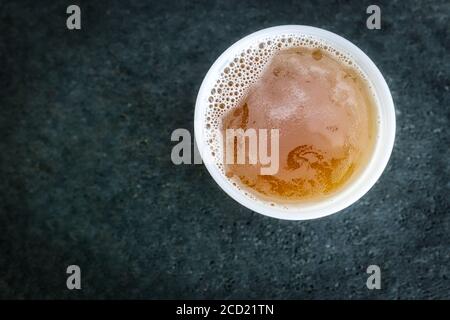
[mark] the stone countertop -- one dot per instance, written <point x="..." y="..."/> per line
<point x="86" y="176"/>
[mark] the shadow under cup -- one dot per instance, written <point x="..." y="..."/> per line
<point x="358" y="185"/>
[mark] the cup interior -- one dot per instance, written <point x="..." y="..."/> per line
<point x="356" y="188"/>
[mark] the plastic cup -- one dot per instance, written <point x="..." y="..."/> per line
<point x="356" y="188"/>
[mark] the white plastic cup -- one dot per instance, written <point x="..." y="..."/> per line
<point x="366" y="178"/>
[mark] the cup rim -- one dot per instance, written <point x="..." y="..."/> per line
<point x="365" y="179"/>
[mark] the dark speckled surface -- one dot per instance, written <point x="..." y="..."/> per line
<point x="86" y="176"/>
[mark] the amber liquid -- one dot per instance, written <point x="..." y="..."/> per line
<point x="325" y="113"/>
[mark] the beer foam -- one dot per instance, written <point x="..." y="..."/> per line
<point x="232" y="84"/>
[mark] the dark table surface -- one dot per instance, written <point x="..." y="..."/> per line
<point x="86" y="176"/>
